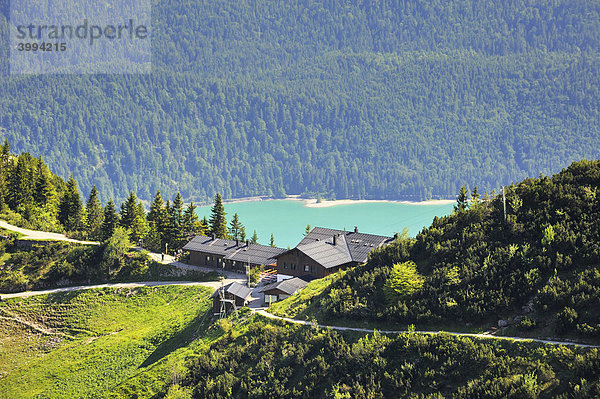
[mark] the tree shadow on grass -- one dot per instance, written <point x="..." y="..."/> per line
<point x="180" y="339"/>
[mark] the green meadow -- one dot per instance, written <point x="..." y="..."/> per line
<point x="98" y="343"/>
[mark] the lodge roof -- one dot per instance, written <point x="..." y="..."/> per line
<point x="347" y="247"/>
<point x="235" y="289"/>
<point x="289" y="286"/>
<point x="234" y="250"/>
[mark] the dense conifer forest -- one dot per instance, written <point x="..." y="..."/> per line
<point x="392" y="99"/>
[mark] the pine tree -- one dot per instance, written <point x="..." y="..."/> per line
<point x="20" y="183"/>
<point x="128" y="210"/>
<point x="475" y="195"/>
<point x="5" y="172"/>
<point x="243" y="233"/>
<point x="94" y="213"/>
<point x="235" y="229"/>
<point x="191" y="225"/>
<point x="307" y="229"/>
<point x="272" y="240"/>
<point x="133" y="218"/>
<point x="176" y="223"/>
<point x="44" y="193"/>
<point x="111" y="220"/>
<point x="462" y="200"/>
<point x="71" y="212"/>
<point x="254" y="239"/>
<point x="204" y="227"/>
<point x="218" y="223"/>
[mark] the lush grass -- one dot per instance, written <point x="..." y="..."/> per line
<point x="98" y="343"/>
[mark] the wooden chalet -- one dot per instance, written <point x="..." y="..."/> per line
<point x="231" y="255"/>
<point x="324" y="251"/>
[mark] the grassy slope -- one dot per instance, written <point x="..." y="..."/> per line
<point x="98" y="343"/>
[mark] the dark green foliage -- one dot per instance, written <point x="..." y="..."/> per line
<point x="235" y="227"/>
<point x="479" y="268"/>
<point x="133" y="218"/>
<point x="94" y="215"/>
<point x="218" y="223"/>
<point x="277" y="361"/>
<point x="391" y="99"/>
<point x="111" y="220"/>
<point x="71" y="213"/>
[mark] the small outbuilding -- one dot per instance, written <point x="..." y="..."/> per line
<point x="235" y="291"/>
<point x="283" y="289"/>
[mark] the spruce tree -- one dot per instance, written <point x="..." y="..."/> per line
<point x="272" y="240"/>
<point x="307" y="229"/>
<point x="243" y="233"/>
<point x="176" y="223"/>
<point x="111" y="220"/>
<point x="462" y="200"/>
<point x="235" y="229"/>
<point x="254" y="239"/>
<point x="71" y="210"/>
<point x="44" y="193"/>
<point x="190" y="225"/>
<point x="133" y="217"/>
<point x="204" y="227"/>
<point x="21" y="184"/>
<point x="218" y="223"/>
<point x="94" y="213"/>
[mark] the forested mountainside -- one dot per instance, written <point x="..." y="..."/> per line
<point x="392" y="99"/>
<point x="537" y="270"/>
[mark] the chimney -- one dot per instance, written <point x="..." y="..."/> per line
<point x="237" y="242"/>
<point x="334" y="240"/>
<point x="213" y="236"/>
<point x="356" y="229"/>
<point x="395" y="236"/>
<point x="247" y="243"/>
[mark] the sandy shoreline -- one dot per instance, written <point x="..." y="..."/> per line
<point x="312" y="203"/>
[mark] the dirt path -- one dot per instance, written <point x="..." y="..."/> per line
<point x="483" y="336"/>
<point x="26" y="294"/>
<point x="41" y="235"/>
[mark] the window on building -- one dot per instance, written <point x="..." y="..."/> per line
<point x="306" y="268"/>
<point x="285" y="265"/>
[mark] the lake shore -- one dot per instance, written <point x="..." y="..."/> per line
<point x="312" y="203"/>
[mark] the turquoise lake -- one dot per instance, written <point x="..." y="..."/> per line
<point x="287" y="219"/>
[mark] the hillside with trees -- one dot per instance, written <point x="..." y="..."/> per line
<point x="393" y="100"/>
<point x="534" y="272"/>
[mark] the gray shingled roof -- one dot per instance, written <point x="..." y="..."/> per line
<point x="235" y="289"/>
<point x="289" y="286"/>
<point x="230" y="250"/>
<point x="350" y="246"/>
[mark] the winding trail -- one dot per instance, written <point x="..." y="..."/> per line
<point x="27" y="294"/>
<point x="41" y="235"/>
<point x="266" y="314"/>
